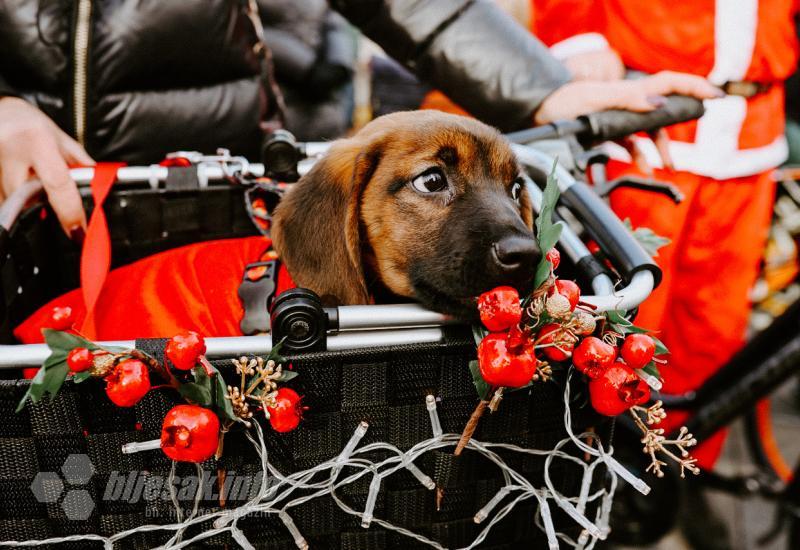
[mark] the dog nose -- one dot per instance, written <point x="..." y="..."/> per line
<point x="515" y="253"/>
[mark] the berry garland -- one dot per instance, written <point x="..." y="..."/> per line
<point x="193" y="431"/>
<point x="551" y="329"/>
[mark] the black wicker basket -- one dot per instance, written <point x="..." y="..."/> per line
<point x="384" y="386"/>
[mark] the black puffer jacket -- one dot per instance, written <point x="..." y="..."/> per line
<point x="134" y="79"/>
<point x="314" y="53"/>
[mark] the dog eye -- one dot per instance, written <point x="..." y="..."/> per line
<point x="516" y="189"/>
<point x="431" y="181"/>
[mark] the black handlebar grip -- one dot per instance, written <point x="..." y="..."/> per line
<point x="616" y="124"/>
<point x="605" y="227"/>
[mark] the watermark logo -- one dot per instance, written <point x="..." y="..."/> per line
<point x="71" y="483"/>
<point x="70" y="487"/>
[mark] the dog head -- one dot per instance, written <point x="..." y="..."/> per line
<point x="424" y="205"/>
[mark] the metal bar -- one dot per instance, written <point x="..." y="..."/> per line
<point x="631" y="296"/>
<point x="571" y="244"/>
<point x="540" y="160"/>
<point x="375" y="335"/>
<point x="34" y="354"/>
<point x="389" y="316"/>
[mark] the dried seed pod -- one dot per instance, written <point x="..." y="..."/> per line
<point x="584" y="322"/>
<point x="558" y="306"/>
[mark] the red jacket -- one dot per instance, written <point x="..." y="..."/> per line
<point x="726" y="41"/>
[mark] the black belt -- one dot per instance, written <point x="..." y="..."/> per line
<point x="745" y="88"/>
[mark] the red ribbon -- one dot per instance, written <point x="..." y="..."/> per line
<point x="96" y="253"/>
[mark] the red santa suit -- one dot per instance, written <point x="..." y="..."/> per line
<point x="722" y="161"/>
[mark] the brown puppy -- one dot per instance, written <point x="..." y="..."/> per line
<point x="422" y="205"/>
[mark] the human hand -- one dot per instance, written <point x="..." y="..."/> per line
<point x="32" y="144"/>
<point x="642" y="95"/>
<point x="603" y="65"/>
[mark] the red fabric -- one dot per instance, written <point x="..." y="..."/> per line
<point x="96" y="253"/>
<point x="188" y="288"/>
<point x="701" y="309"/>
<point x="691" y="37"/>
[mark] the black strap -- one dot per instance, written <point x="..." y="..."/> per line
<point x="256" y="291"/>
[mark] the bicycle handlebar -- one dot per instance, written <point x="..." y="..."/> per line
<point x="596" y="216"/>
<point x="615" y="123"/>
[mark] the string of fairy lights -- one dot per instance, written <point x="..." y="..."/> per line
<point x="284" y="494"/>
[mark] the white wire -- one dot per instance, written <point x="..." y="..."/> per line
<point x="296" y="489"/>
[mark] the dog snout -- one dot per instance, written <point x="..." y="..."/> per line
<point x="515" y="256"/>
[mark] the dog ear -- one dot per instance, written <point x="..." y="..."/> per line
<point x="317" y="229"/>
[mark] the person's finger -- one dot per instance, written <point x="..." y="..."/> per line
<point x="13" y="175"/>
<point x="610" y="71"/>
<point x="632" y="97"/>
<point x="62" y="192"/>
<point x="590" y="71"/>
<point x="73" y="152"/>
<point x="661" y="139"/>
<point x="637" y="156"/>
<point x="667" y="82"/>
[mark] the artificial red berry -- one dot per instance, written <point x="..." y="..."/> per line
<point x="190" y="433"/>
<point x="637" y="350"/>
<point x="517" y="338"/>
<point x="569" y="290"/>
<point x="500" y="308"/>
<point x="61" y="318"/>
<point x="128" y="383"/>
<point x="504" y="362"/>
<point x="286" y="414"/>
<point x="564" y="341"/>
<point x="183" y="349"/>
<point x="617" y="389"/>
<point x="554" y="257"/>
<point x="593" y="356"/>
<point x="80" y="359"/>
<point x="30" y="372"/>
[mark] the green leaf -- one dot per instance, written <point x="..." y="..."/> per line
<point x="223" y="404"/>
<point x="274" y="353"/>
<point x="637" y="330"/>
<point x="478" y="333"/>
<point x="34" y="390"/>
<point x="79" y="377"/>
<point x="542" y="273"/>
<point x="618" y="322"/>
<point x="199" y="391"/>
<point x="652" y="369"/>
<point x="48" y="380"/>
<point x="622" y="324"/>
<point x="547" y="232"/>
<point x="646" y="237"/>
<point x="287" y="375"/>
<point x="196" y="393"/>
<point x="549" y="200"/>
<point x="209" y="391"/>
<point x="480" y="384"/>
<point x="617" y="317"/>
<point x="661" y="349"/>
<point x="66" y="341"/>
<point x="218" y="390"/>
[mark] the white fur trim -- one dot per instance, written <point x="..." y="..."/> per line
<point x="580" y="43"/>
<point x="735" y="24"/>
